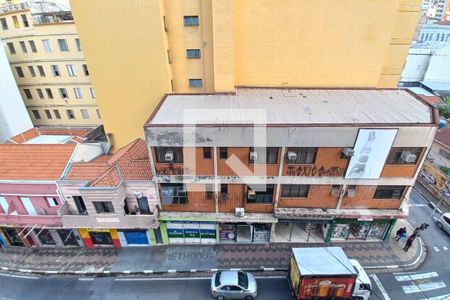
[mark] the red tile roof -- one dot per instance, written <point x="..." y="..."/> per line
<point x="129" y="163"/>
<point x="34" y="162"/>
<point x="443" y="136"/>
<point x="78" y="134"/>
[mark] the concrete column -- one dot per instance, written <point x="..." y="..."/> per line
<point x="216" y="184"/>
<point x="280" y="173"/>
<point x="341" y="196"/>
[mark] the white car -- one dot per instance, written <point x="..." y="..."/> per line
<point x="444" y="222"/>
<point x="233" y="285"/>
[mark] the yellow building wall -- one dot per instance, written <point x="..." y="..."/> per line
<point x="303" y="43"/>
<point x="124" y="46"/>
<point x="50" y="31"/>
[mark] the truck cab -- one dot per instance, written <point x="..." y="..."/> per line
<point x="363" y="286"/>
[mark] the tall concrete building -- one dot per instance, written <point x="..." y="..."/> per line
<point x="46" y="58"/>
<point x="215" y="45"/>
<point x="14" y="118"/>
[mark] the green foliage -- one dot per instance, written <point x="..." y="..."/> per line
<point x="444" y="110"/>
<point x="445" y="170"/>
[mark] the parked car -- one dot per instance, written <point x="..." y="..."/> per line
<point x="443" y="222"/>
<point x="233" y="285"/>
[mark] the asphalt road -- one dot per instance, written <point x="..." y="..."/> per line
<point x="432" y="279"/>
<point x="54" y="288"/>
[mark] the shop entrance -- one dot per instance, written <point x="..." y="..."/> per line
<point x="13" y="237"/>
<point x="68" y="237"/>
<point x="101" y="238"/>
<point x="244" y="233"/>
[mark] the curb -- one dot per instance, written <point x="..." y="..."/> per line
<point x="129" y="273"/>
<point x="411" y="264"/>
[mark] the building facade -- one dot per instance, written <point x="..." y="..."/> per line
<point x="45" y="55"/>
<point x="29" y="198"/>
<point x="286" y="165"/>
<point x="214" y="46"/>
<point x="112" y="200"/>
<point x="438" y="32"/>
<point x="14" y="117"/>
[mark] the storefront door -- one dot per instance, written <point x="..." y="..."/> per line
<point x="101" y="238"/>
<point x="12" y="236"/>
<point x="261" y="233"/>
<point x="136" y="237"/>
<point x="244" y="234"/>
<point x="44" y="236"/>
<point x="68" y="237"/>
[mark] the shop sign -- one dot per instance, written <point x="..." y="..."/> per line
<point x="175" y="232"/>
<point x="98" y="230"/>
<point x="227" y="232"/>
<point x="208" y="233"/>
<point x="191" y="233"/>
<point x="314" y="171"/>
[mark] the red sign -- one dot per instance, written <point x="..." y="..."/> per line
<point x="326" y="288"/>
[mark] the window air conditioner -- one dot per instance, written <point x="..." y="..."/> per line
<point x="251" y="194"/>
<point x="349" y="152"/>
<point x="168" y="156"/>
<point x="351" y="192"/>
<point x="335" y="191"/>
<point x="239" y="212"/>
<point x="292" y="155"/>
<point x="408" y="157"/>
<point x="253" y="155"/>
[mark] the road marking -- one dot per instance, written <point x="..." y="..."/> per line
<point x="436" y="249"/>
<point x="5" y="275"/>
<point x="133" y="279"/>
<point x="408" y="289"/>
<point x="418" y="205"/>
<point x="445" y="248"/>
<point x="442" y="297"/>
<point x="380" y="287"/>
<point x="271" y="277"/>
<point x="85" y="279"/>
<point x="416" y="276"/>
<point x="25" y="277"/>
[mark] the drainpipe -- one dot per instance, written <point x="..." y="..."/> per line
<point x="216" y="184"/>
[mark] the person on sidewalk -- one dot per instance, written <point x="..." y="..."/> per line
<point x="401" y="233"/>
<point x="409" y="242"/>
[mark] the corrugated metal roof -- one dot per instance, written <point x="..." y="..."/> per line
<point x="323" y="261"/>
<point x="293" y="106"/>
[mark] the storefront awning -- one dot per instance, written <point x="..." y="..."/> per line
<point x="217" y="217"/>
<point x="362" y="214"/>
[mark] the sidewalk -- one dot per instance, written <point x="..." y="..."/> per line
<point x="195" y="258"/>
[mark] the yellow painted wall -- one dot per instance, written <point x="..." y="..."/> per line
<point x="52" y="32"/>
<point x="124" y="46"/>
<point x="344" y="43"/>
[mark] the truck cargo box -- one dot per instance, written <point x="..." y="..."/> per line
<point x="321" y="273"/>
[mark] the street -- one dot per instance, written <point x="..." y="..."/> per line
<point x="432" y="279"/>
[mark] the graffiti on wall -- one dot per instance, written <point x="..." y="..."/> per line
<point x="314" y="171"/>
<point x="170" y="170"/>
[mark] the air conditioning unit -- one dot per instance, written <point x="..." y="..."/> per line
<point x="408" y="157"/>
<point x="239" y="212"/>
<point x="168" y="156"/>
<point x="351" y="192"/>
<point x="349" y="152"/>
<point x="291" y="155"/>
<point x="251" y="194"/>
<point x="335" y="191"/>
<point x="253" y="155"/>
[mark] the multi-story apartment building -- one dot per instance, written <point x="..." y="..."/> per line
<point x="438" y="32"/>
<point x="45" y="55"/>
<point x="215" y="45"/>
<point x="112" y="200"/>
<point x="14" y="117"/>
<point x="287" y="164"/>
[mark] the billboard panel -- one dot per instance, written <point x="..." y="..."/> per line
<point x="371" y="150"/>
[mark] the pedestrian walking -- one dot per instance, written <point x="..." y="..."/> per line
<point x="401" y="233"/>
<point x="409" y="242"/>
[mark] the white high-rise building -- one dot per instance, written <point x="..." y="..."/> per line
<point x="14" y="117"/>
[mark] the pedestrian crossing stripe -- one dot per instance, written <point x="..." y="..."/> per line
<point x="416" y="288"/>
<point x="436" y="249"/>
<point x="416" y="276"/>
<point x="445" y="248"/>
<point x="442" y="297"/>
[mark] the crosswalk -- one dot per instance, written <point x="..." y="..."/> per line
<point x="438" y="249"/>
<point x="421" y="282"/>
